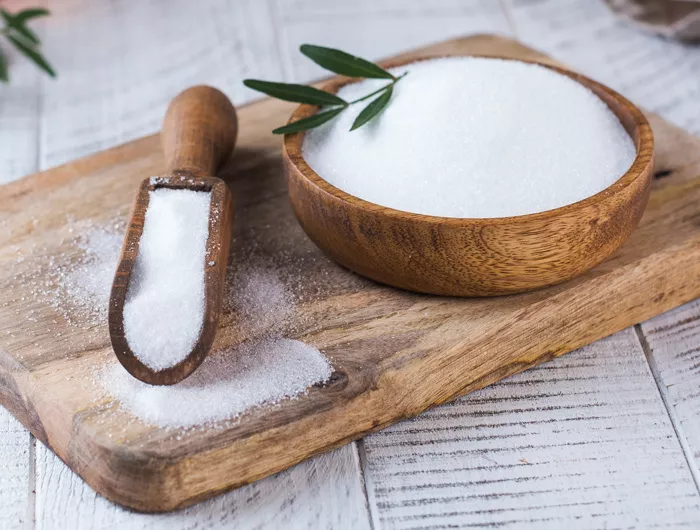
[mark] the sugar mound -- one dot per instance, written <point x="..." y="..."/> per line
<point x="474" y="137"/>
<point x="164" y="307"/>
<point x="262" y="370"/>
<point x="226" y="385"/>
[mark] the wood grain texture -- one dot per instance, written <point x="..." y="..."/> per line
<point x="324" y="492"/>
<point x="377" y="29"/>
<point x="20" y="116"/>
<point x="198" y="137"/>
<point x="16" y="474"/>
<point x="472" y="257"/>
<point x="662" y="76"/>
<point x="394" y="353"/>
<point x="305" y="10"/>
<point x="114" y="85"/>
<point x="580" y="442"/>
<point x="673" y="344"/>
<point x="199" y="132"/>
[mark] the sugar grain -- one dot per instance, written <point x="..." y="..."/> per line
<point x="262" y="370"/>
<point x="258" y="298"/>
<point x="77" y="282"/>
<point x="164" y="307"/>
<point x="474" y="137"/>
<point x="225" y="386"/>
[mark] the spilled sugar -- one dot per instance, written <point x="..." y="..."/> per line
<point x="78" y="286"/>
<point x="164" y="307"/>
<point x="258" y="297"/>
<point x="88" y="285"/>
<point x="261" y="371"/>
<point x="474" y="137"/>
<point x="264" y="370"/>
<point x="227" y="384"/>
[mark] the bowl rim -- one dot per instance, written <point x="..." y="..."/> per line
<point x="641" y="165"/>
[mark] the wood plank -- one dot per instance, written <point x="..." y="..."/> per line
<point x="324" y="492"/>
<point x="116" y="91"/>
<point x="583" y="441"/>
<point x="659" y="74"/>
<point x="378" y="29"/>
<point x="673" y="343"/>
<point x="321" y="10"/>
<point x="383" y="342"/>
<point x="16" y="508"/>
<point x="20" y="108"/>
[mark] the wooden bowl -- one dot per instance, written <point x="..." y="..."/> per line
<point x="472" y="256"/>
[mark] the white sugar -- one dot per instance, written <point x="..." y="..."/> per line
<point x="78" y="280"/>
<point x="87" y="285"/>
<point x="225" y="386"/>
<point x="164" y="308"/>
<point x="263" y="370"/>
<point x="471" y="137"/>
<point x="258" y="298"/>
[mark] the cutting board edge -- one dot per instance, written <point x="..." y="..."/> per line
<point x="161" y="469"/>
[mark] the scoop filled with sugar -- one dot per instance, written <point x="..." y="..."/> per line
<point x="480" y="176"/>
<point x="167" y="291"/>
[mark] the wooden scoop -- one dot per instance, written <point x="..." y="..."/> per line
<point x="199" y="133"/>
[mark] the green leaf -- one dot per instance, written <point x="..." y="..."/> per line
<point x="7" y="16"/>
<point x="30" y="13"/>
<point x="343" y="63"/>
<point x="3" y="69"/>
<point x="27" y="34"/>
<point x="296" y="93"/>
<point x="32" y="54"/>
<point x="16" y="24"/>
<point x="310" y="122"/>
<point x="373" y="109"/>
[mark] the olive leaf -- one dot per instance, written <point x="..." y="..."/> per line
<point x="23" y="38"/>
<point x="338" y="62"/>
<point x="373" y="109"/>
<point x="32" y="54"/>
<point x="342" y="63"/>
<point x="295" y="93"/>
<point x="28" y="14"/>
<point x="15" y="25"/>
<point x="3" y="68"/>
<point x="309" y="123"/>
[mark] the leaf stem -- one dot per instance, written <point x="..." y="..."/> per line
<point x="396" y="80"/>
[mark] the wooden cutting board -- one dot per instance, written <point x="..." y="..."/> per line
<point x="394" y="353"/>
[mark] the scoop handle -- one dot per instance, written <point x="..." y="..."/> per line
<point x="199" y="132"/>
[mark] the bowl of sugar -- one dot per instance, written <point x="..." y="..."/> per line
<point x="482" y="177"/>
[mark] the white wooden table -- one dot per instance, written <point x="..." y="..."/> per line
<point x="605" y="437"/>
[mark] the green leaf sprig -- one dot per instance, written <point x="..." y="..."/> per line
<point x="23" y="38"/>
<point x="338" y="62"/>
